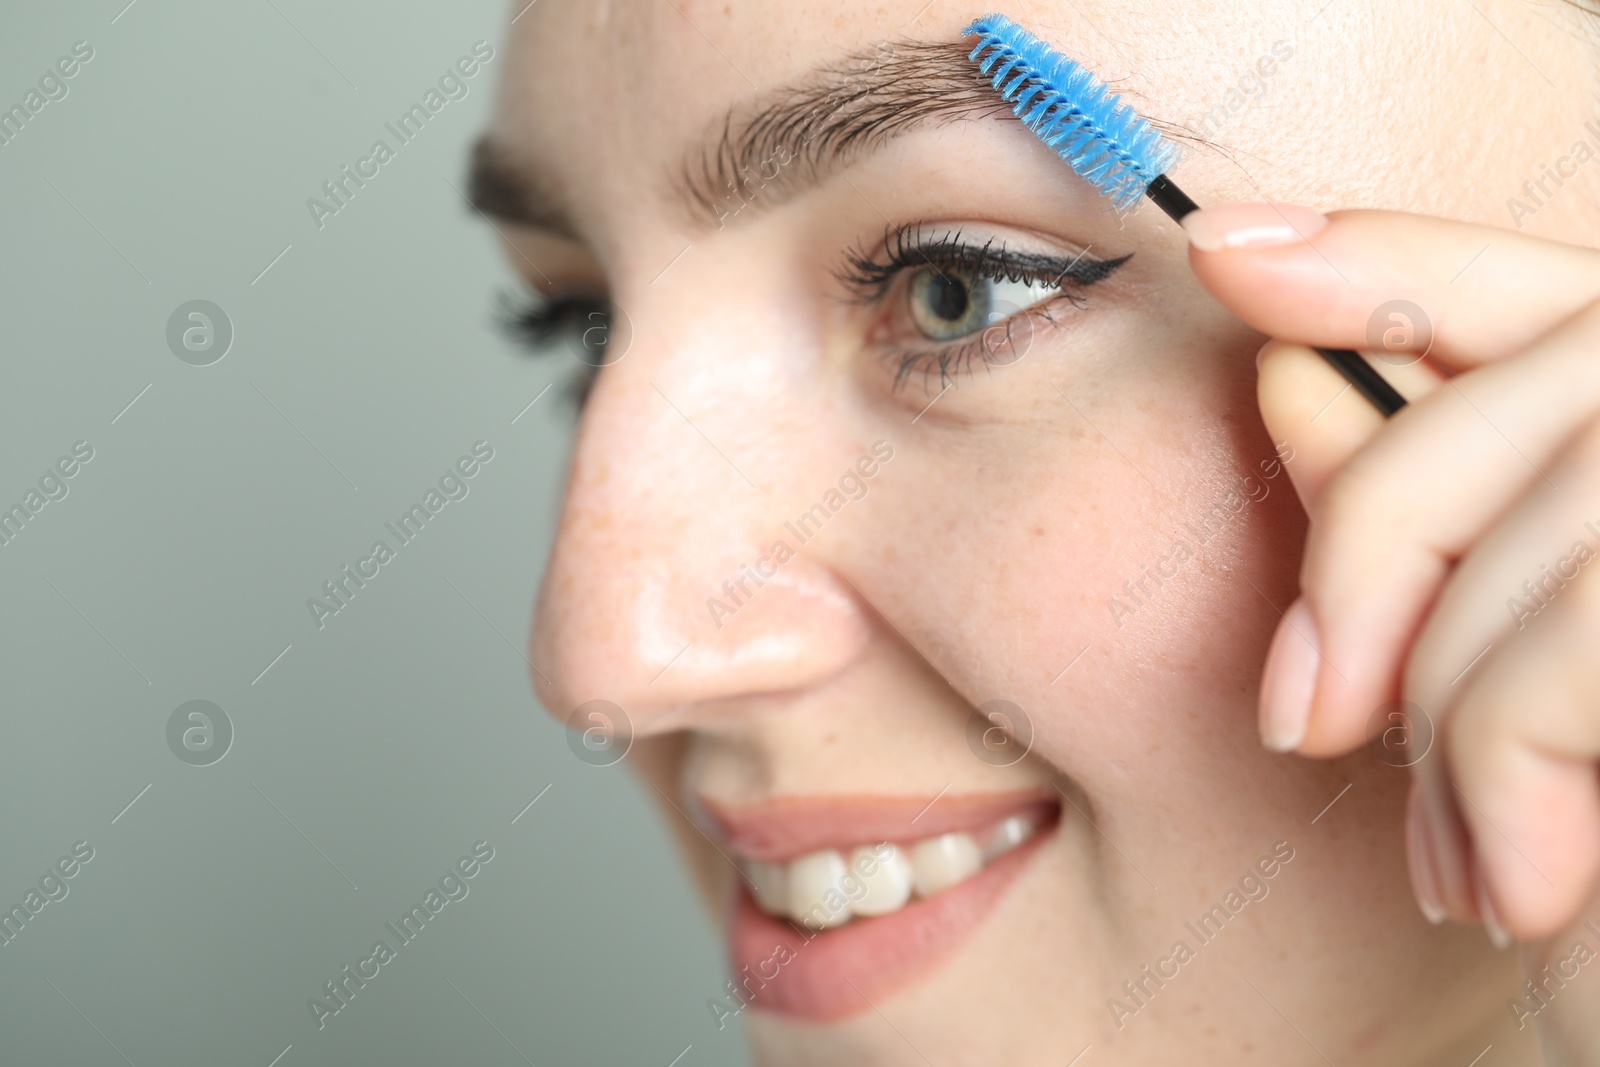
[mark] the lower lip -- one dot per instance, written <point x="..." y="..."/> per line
<point x="846" y="970"/>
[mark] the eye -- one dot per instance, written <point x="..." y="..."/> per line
<point x="577" y="324"/>
<point x="946" y="304"/>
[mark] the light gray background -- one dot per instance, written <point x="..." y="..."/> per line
<point x="376" y="750"/>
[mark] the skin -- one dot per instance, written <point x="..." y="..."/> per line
<point x="984" y="555"/>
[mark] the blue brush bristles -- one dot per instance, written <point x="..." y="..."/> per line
<point x="1072" y="111"/>
<point x="1107" y="142"/>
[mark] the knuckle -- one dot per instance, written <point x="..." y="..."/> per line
<point x="1352" y="497"/>
<point x="1472" y="734"/>
<point x="1493" y="720"/>
<point x="1356" y="502"/>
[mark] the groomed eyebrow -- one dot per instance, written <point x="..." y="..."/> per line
<point x="792" y="139"/>
<point x="761" y="153"/>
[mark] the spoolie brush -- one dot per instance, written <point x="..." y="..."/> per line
<point x="1111" y="145"/>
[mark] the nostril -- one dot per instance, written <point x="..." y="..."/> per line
<point x="652" y="650"/>
<point x="672" y="585"/>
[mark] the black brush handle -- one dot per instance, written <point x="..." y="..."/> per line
<point x="1169" y="198"/>
<point x="1357" y="371"/>
<point x="1368" y="382"/>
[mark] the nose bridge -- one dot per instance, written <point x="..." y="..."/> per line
<point x="674" y="581"/>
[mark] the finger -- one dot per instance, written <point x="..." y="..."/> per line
<point x="1319" y="423"/>
<point x="1327" y="276"/>
<point x="1565" y="1011"/>
<point x="1522" y="749"/>
<point x="1504" y="668"/>
<point x="1532" y="550"/>
<point x="1308" y="405"/>
<point x="1391" y="522"/>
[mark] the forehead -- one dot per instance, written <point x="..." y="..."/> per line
<point x="603" y="98"/>
<point x="604" y="95"/>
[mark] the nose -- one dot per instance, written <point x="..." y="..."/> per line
<point x="680" y="579"/>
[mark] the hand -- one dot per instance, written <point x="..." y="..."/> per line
<point x="1453" y="559"/>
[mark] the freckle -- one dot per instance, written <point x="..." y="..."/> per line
<point x="1038" y="531"/>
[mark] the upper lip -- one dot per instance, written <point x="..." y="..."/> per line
<point x="781" y="828"/>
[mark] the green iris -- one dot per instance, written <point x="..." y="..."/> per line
<point x="951" y="303"/>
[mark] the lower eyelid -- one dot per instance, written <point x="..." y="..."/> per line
<point x="959" y="354"/>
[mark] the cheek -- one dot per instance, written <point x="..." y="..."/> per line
<point x="1068" y="548"/>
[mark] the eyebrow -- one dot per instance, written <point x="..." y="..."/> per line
<point x="792" y="139"/>
<point x="762" y="153"/>
<point x="502" y="186"/>
<point x="769" y="151"/>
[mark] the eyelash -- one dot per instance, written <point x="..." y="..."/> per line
<point x="534" y="322"/>
<point x="869" y="278"/>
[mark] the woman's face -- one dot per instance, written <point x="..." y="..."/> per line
<point x="830" y="507"/>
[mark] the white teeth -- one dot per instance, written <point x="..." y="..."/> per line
<point x="816" y="890"/>
<point x="829" y="887"/>
<point x="1008" y="835"/>
<point x="770" y="882"/>
<point x="886" y="873"/>
<point x="940" y="862"/>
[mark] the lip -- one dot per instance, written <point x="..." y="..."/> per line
<point x="783" y="968"/>
<point x="786" y="827"/>
<point x="842" y="972"/>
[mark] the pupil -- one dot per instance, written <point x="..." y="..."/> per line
<point x="949" y="299"/>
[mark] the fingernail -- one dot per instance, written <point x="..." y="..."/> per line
<point x="1419" y="854"/>
<point x="1261" y="352"/>
<point x="1290" y="679"/>
<point x="1486" y="911"/>
<point x="1216" y="229"/>
<point x="1449" y="847"/>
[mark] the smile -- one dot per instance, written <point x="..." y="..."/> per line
<point x="845" y="900"/>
